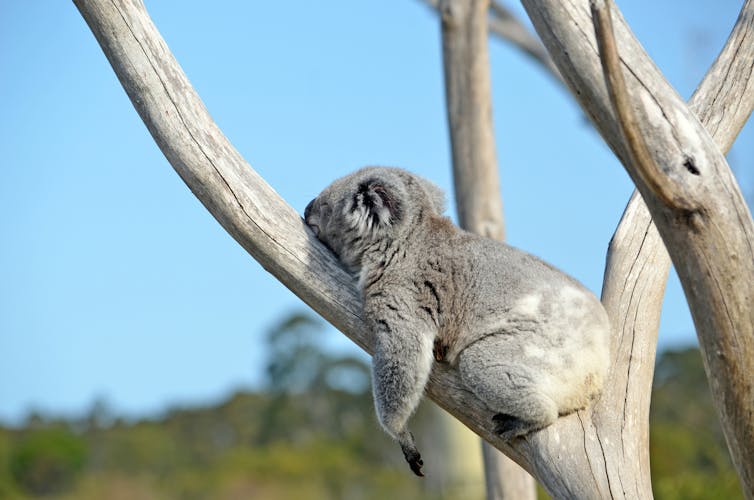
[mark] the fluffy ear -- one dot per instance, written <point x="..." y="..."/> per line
<point x="377" y="202"/>
<point x="435" y="194"/>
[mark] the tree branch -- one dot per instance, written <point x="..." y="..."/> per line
<point x="637" y="149"/>
<point x="724" y="324"/>
<point x="469" y="106"/>
<point x="638" y="263"/>
<point x="571" y="458"/>
<point x="712" y="248"/>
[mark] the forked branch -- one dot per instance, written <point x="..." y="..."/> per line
<point x="709" y="234"/>
<point x="628" y="123"/>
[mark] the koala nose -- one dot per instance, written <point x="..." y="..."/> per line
<point x="307" y="218"/>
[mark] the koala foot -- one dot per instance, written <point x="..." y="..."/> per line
<point x="413" y="458"/>
<point x="509" y="427"/>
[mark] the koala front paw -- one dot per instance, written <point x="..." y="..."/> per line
<point x="509" y="427"/>
<point x="414" y="459"/>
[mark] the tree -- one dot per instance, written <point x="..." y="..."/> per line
<point x="676" y="163"/>
<point x="48" y="461"/>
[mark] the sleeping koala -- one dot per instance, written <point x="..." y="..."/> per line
<point x="526" y="339"/>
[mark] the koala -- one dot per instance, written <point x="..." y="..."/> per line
<point x="528" y="340"/>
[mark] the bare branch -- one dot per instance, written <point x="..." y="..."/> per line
<point x="730" y="82"/>
<point x="717" y="272"/>
<point x="638" y="152"/>
<point x="638" y="264"/>
<point x="469" y="105"/>
<point x="635" y="277"/>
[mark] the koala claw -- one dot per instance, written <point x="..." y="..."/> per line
<point x="509" y="427"/>
<point x="414" y="460"/>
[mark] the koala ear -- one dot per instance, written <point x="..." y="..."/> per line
<point x="435" y="194"/>
<point x="378" y="202"/>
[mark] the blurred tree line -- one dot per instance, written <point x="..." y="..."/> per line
<point x="311" y="433"/>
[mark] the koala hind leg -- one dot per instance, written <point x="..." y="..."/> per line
<point x="496" y="371"/>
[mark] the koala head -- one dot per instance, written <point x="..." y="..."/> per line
<point x="369" y="206"/>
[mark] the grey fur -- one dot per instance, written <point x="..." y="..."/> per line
<point x="528" y="340"/>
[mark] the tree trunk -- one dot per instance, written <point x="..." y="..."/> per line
<point x="690" y="192"/>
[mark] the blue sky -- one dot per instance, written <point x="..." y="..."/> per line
<point x="116" y="283"/>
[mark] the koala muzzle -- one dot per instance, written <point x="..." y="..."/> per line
<point x="309" y="220"/>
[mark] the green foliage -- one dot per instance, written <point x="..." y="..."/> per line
<point x="47" y="461"/>
<point x="8" y="488"/>
<point x="312" y="434"/>
<point x="689" y="459"/>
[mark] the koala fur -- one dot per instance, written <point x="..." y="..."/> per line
<point x="528" y="340"/>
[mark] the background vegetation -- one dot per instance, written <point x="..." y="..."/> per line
<point x="311" y="433"/>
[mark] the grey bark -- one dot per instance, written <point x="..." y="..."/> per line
<point x="469" y="107"/>
<point x="583" y="455"/>
<point x="475" y="173"/>
<point x="691" y="194"/>
<point x="504" y="478"/>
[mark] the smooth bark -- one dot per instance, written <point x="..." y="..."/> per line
<point x="469" y="108"/>
<point x="692" y="196"/>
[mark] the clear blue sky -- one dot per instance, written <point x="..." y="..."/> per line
<point x="116" y="283"/>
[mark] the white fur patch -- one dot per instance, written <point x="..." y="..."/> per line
<point x="363" y="273"/>
<point x="574" y="301"/>
<point x="528" y="305"/>
<point x="359" y="219"/>
<point x="533" y="351"/>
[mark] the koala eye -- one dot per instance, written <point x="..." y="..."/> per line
<point x="325" y="210"/>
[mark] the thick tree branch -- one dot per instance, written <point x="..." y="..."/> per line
<point x="724" y="323"/>
<point x="711" y="247"/>
<point x="475" y="173"/>
<point x="469" y="106"/>
<point x="635" y="277"/>
<point x="571" y="459"/>
<point x="628" y="123"/>
<point x="638" y="263"/>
